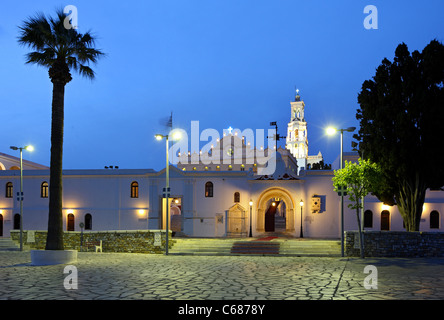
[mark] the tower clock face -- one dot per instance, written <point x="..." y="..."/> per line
<point x="230" y="151"/>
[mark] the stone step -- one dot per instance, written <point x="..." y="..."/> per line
<point x="201" y="246"/>
<point x="255" y="247"/>
<point x="311" y="247"/>
<point x="6" y="244"/>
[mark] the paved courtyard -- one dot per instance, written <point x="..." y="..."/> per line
<point x="105" y="276"/>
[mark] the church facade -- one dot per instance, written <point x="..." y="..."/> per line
<point x="230" y="199"/>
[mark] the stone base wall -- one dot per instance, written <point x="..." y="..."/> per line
<point x="395" y="244"/>
<point x="136" y="241"/>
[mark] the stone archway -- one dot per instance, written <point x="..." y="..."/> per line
<point x="283" y="195"/>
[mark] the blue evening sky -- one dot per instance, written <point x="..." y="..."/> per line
<point x="220" y="62"/>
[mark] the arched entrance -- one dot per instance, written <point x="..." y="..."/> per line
<point x="275" y="211"/>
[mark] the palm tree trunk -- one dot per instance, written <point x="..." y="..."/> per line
<point x="54" y="239"/>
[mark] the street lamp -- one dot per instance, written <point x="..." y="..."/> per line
<point x="302" y="205"/>
<point x="166" y="191"/>
<point x="251" y="222"/>
<point x="331" y="131"/>
<point x="28" y="148"/>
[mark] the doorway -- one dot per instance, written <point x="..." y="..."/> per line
<point x="275" y="211"/>
<point x="174" y="213"/>
<point x="71" y="221"/>
<point x="385" y="220"/>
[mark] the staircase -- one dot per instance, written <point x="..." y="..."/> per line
<point x="202" y="246"/>
<point x="265" y="246"/>
<point x="310" y="247"/>
<point x="6" y="244"/>
<point x="255" y="247"/>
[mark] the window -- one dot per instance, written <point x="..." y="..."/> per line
<point x="236" y="197"/>
<point x="134" y="189"/>
<point x="434" y="219"/>
<point x="44" y="190"/>
<point x="368" y="219"/>
<point x="209" y="189"/>
<point x="88" y="221"/>
<point x="9" y="191"/>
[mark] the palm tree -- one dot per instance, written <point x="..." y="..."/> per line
<point x="59" y="49"/>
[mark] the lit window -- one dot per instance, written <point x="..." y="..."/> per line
<point x="44" y="190"/>
<point x="134" y="189"/>
<point x="209" y="189"/>
<point x="9" y="190"/>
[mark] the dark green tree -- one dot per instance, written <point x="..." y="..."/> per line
<point x="60" y="50"/>
<point x="401" y="116"/>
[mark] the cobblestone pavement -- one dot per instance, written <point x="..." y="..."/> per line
<point x="104" y="276"/>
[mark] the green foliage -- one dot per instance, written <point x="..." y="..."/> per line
<point x="359" y="178"/>
<point x="53" y="43"/>
<point x="401" y="115"/>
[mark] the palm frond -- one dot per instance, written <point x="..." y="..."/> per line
<point x="50" y="41"/>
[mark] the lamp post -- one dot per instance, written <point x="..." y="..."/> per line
<point x="302" y="205"/>
<point x="166" y="192"/>
<point x="20" y="196"/>
<point x="331" y="131"/>
<point x="251" y="221"/>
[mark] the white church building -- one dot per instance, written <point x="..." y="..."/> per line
<point x="207" y="200"/>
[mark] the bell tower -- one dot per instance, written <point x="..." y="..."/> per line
<point x="297" y="142"/>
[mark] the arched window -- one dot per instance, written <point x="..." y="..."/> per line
<point x="236" y="197"/>
<point x="134" y="189"/>
<point x="434" y="219"/>
<point x="9" y="191"/>
<point x="88" y="221"/>
<point x="70" y="222"/>
<point x="368" y="219"/>
<point x="385" y="220"/>
<point x="17" y="221"/>
<point x="209" y="189"/>
<point x="44" y="190"/>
